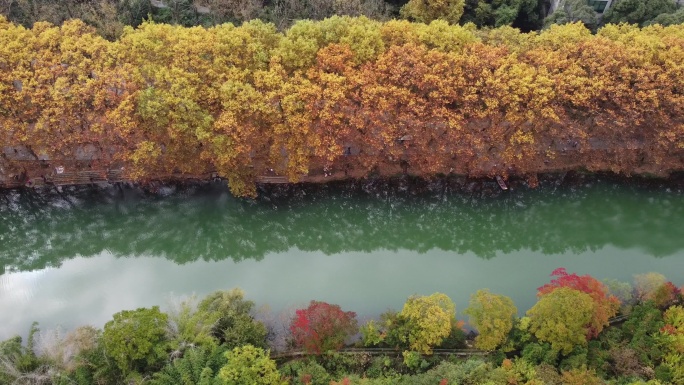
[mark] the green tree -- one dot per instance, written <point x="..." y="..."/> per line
<point x="640" y="331"/>
<point x="189" y="327"/>
<point x="425" y="11"/>
<point x="177" y="12"/>
<point x="573" y="11"/>
<point x="85" y="360"/>
<point x="582" y="376"/>
<point x="307" y="372"/>
<point x="133" y="12"/>
<point x="605" y="305"/>
<point x="136" y="339"/>
<point x="428" y="321"/>
<point x="561" y="318"/>
<point x="390" y="330"/>
<point x="523" y="14"/>
<point x="672" y="337"/>
<point x="539" y="353"/>
<point x="666" y="19"/>
<point x="230" y="316"/>
<point x="492" y="315"/>
<point x="637" y="11"/>
<point x="249" y="365"/>
<point x="370" y="333"/>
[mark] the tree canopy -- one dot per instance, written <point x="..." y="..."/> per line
<point x="492" y="315"/>
<point x="606" y="305"/>
<point x="560" y="317"/>
<point x="573" y="11"/>
<point x="637" y="11"/>
<point x="249" y="365"/>
<point x="646" y="347"/>
<point x="322" y="327"/>
<point x="522" y="14"/>
<point x="230" y="317"/>
<point x="429" y="321"/>
<point x="425" y="11"/>
<point x="136" y="339"/>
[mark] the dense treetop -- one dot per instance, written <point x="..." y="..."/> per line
<point x="344" y="93"/>
<point x="110" y="17"/>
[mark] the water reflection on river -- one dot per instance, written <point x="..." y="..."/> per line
<point x="79" y="258"/>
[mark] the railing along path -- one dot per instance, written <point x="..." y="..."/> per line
<point x="382" y="351"/>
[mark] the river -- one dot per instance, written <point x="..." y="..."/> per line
<point x="77" y="257"/>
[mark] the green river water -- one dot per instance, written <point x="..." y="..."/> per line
<point x="78" y="257"/>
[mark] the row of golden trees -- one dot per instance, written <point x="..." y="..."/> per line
<point x="346" y="94"/>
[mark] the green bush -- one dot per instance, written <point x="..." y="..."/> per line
<point x="381" y="366"/>
<point x="230" y="316"/>
<point x="640" y="331"/>
<point x="540" y="353"/>
<point x="471" y="372"/>
<point x="137" y="340"/>
<point x="577" y="359"/>
<point x="339" y="364"/>
<point x="197" y="366"/>
<point x="306" y="372"/>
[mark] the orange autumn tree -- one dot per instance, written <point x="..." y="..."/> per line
<point x="649" y="75"/>
<point x="16" y="72"/>
<point x="346" y="93"/>
<point x="317" y="109"/>
<point x="74" y="117"/>
<point x="161" y="111"/>
<point x="52" y="97"/>
<point x="605" y="305"/>
<point x="411" y="105"/>
<point x="248" y="80"/>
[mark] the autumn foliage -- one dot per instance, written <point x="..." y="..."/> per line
<point x="562" y="318"/>
<point x="322" y="327"/>
<point x="667" y="295"/>
<point x="492" y="315"/>
<point x="345" y="95"/>
<point x="606" y="305"/>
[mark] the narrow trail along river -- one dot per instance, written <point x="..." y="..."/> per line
<point x="79" y="256"/>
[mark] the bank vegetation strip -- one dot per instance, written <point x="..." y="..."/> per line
<point x="343" y="97"/>
<point x="580" y="331"/>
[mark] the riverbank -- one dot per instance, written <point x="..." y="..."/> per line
<point x="402" y="184"/>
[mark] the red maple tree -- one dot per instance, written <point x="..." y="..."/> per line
<point x="322" y="327"/>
